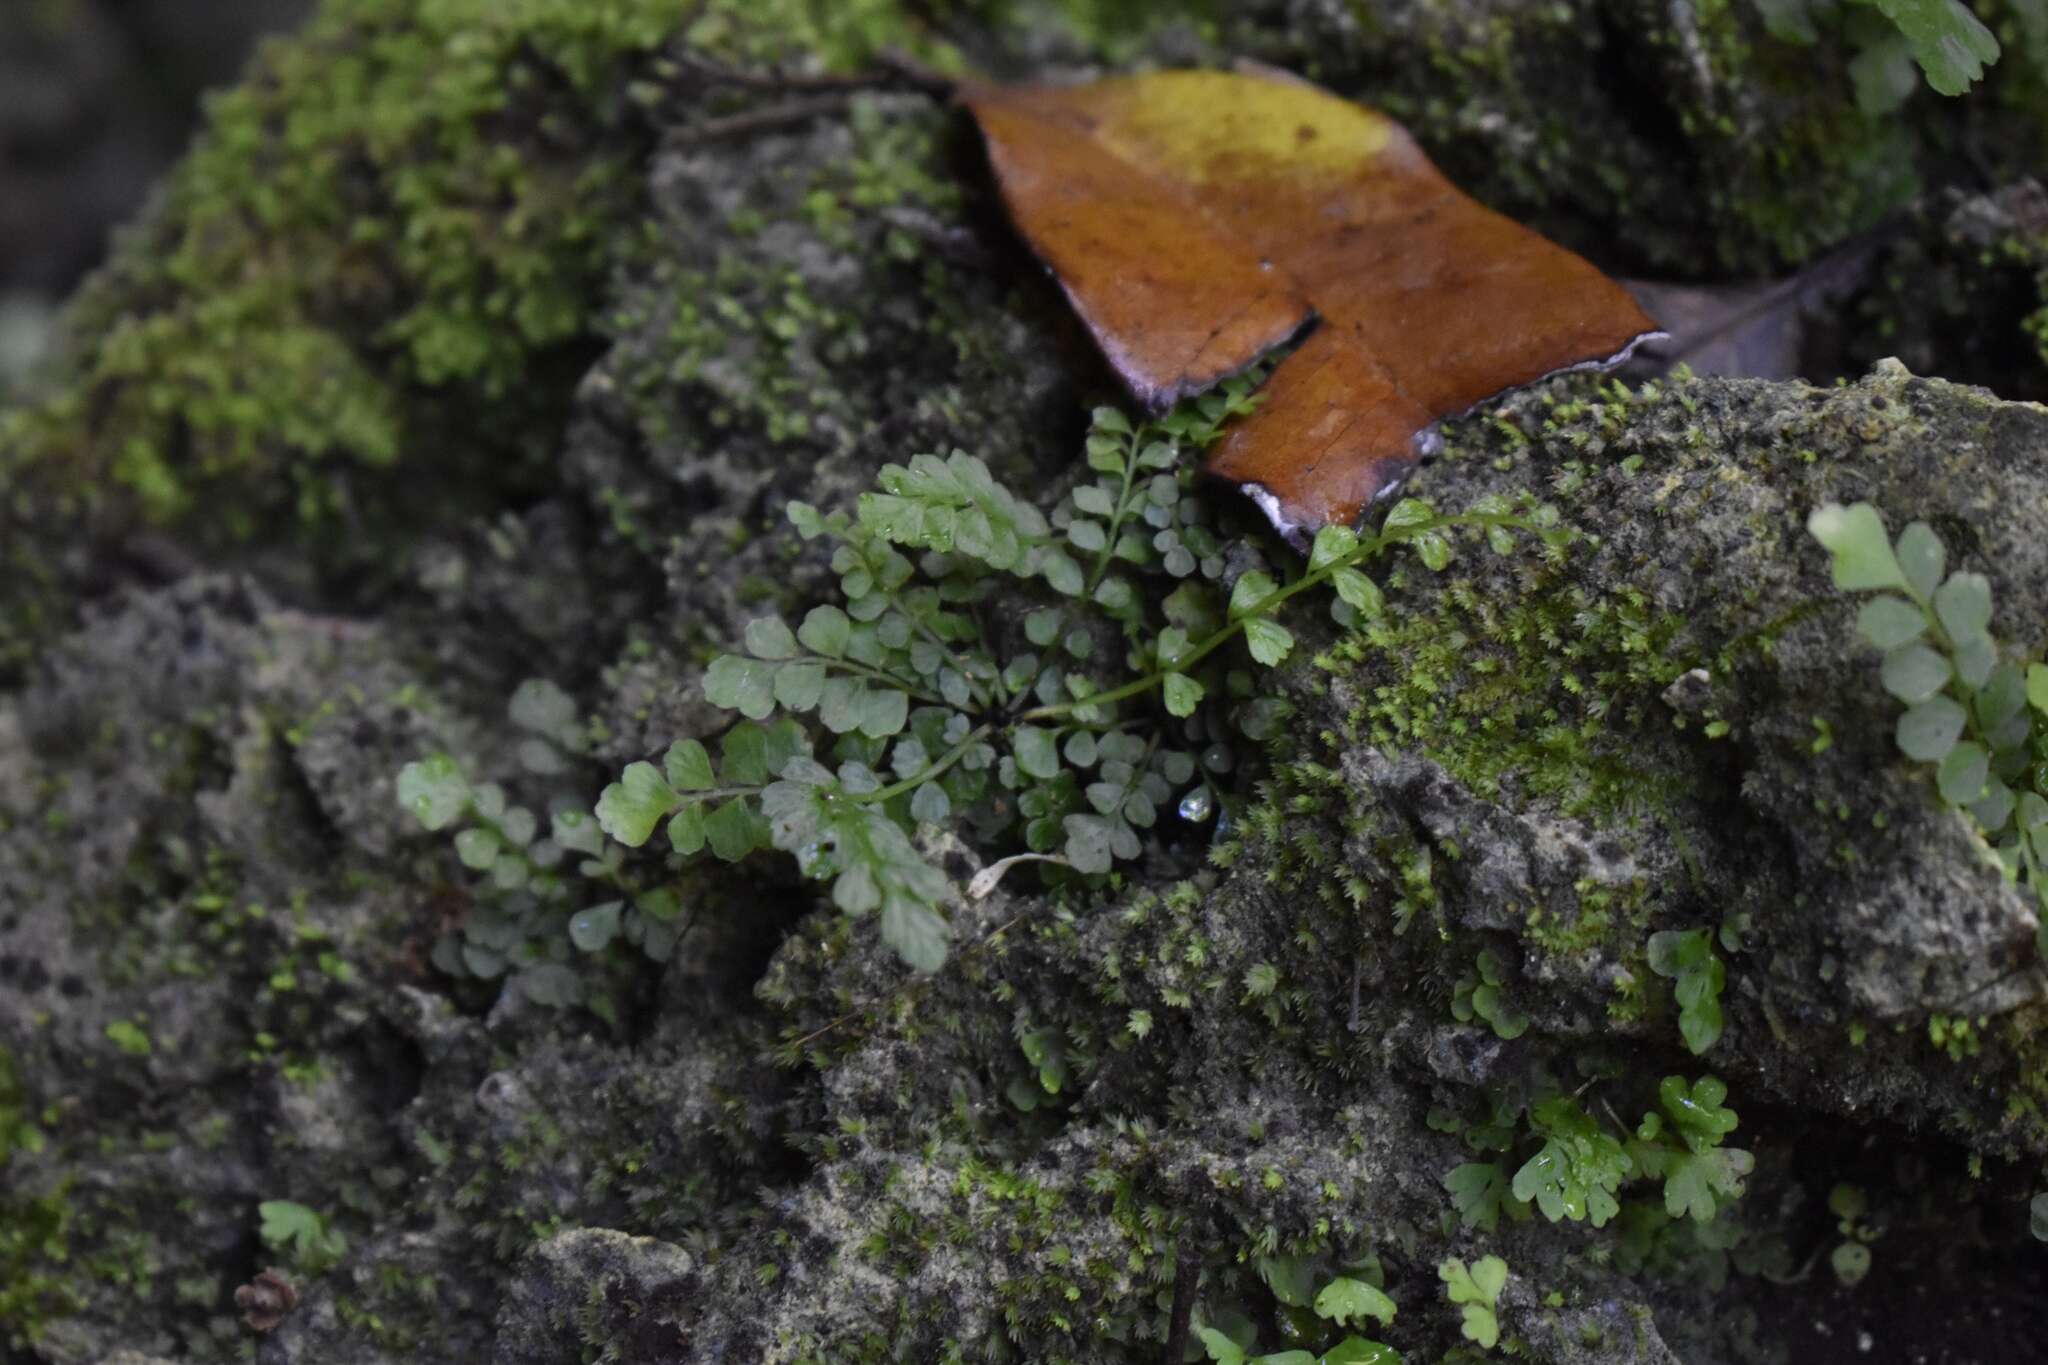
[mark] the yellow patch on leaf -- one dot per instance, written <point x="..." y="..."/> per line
<point x="1198" y="219"/>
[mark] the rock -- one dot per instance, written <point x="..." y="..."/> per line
<point x="1686" y="140"/>
<point x="595" y="1285"/>
<point x="1404" y="1010"/>
<point x="1960" y="288"/>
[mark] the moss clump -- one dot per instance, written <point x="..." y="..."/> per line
<point x="365" y="288"/>
<point x="1541" y="694"/>
<point x="391" y="197"/>
<point x="1686" y="139"/>
<point x="33" y="1229"/>
<point x="756" y="344"/>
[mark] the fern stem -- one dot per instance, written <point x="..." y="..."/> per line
<point x="929" y="771"/>
<point x="975" y="690"/>
<point x="882" y="676"/>
<point x="1117" y="519"/>
<point x="1368" y="547"/>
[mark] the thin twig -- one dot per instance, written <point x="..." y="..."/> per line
<point x="913" y="74"/>
<point x="832" y="92"/>
<point x="774" y="79"/>
<point x="761" y="120"/>
<point x="894" y="70"/>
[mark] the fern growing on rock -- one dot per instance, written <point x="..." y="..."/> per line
<point x="1053" y="681"/>
<point x="1977" y="714"/>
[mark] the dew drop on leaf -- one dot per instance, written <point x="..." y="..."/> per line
<point x="1197" y="805"/>
<point x="592" y="929"/>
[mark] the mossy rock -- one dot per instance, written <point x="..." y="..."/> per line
<point x="1963" y="288"/>
<point x="370" y="288"/>
<point x="367" y="295"/>
<point x="1263" y="1054"/>
<point x="1542" y="761"/>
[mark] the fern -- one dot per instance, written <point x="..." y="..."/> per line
<point x="1973" y="712"/>
<point x="1060" y="681"/>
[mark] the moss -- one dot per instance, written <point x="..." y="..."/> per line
<point x="363" y="162"/>
<point x="749" y="332"/>
<point x="1071" y="1206"/>
<point x="131" y="1246"/>
<point x="1543" y="693"/>
<point x="33" y="1239"/>
<point x="1688" y="139"/>
<point x="34" y="1229"/>
<point x="1019" y="1148"/>
<point x="392" y="231"/>
<point x="368" y="286"/>
<point x="1962" y="287"/>
<point x="217" y="967"/>
<point x="1539" y="689"/>
<point x="1829" y="167"/>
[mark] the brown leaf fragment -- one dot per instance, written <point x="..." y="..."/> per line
<point x="1175" y="305"/>
<point x="1195" y="217"/>
<point x="266" y="1300"/>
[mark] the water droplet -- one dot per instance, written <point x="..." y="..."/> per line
<point x="1217" y="758"/>
<point x="1197" y="805"/>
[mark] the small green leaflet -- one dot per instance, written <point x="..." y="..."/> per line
<point x="1350" y="1301"/>
<point x="1951" y="44"/>
<point x="1477" y="1288"/>
<point x="631" y="807"/>
<point x="1862" y="552"/>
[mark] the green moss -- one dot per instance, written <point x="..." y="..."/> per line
<point x="377" y="204"/>
<point x="1542" y="685"/>
<point x="18" y="1132"/>
<point x="1828" y="169"/>
<point x="366" y="286"/>
<point x="1541" y="692"/>
<point x="35" y="1229"/>
<point x="1075" y="1203"/>
<point x="748" y="338"/>
<point x="1755" y="155"/>
<point x="1603" y="913"/>
<point x="1208" y="1092"/>
<point x="1688" y="139"/>
<point x="1532" y="682"/>
<point x="79" y="1248"/>
<point x="34" y="1234"/>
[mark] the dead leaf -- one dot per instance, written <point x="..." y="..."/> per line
<point x="266" y="1300"/>
<point x="1197" y="219"/>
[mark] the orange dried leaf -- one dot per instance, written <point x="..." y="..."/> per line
<point x="1198" y="218"/>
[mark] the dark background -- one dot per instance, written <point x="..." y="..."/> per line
<point x="97" y="98"/>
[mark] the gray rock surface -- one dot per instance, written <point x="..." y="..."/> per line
<point x="220" y="935"/>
